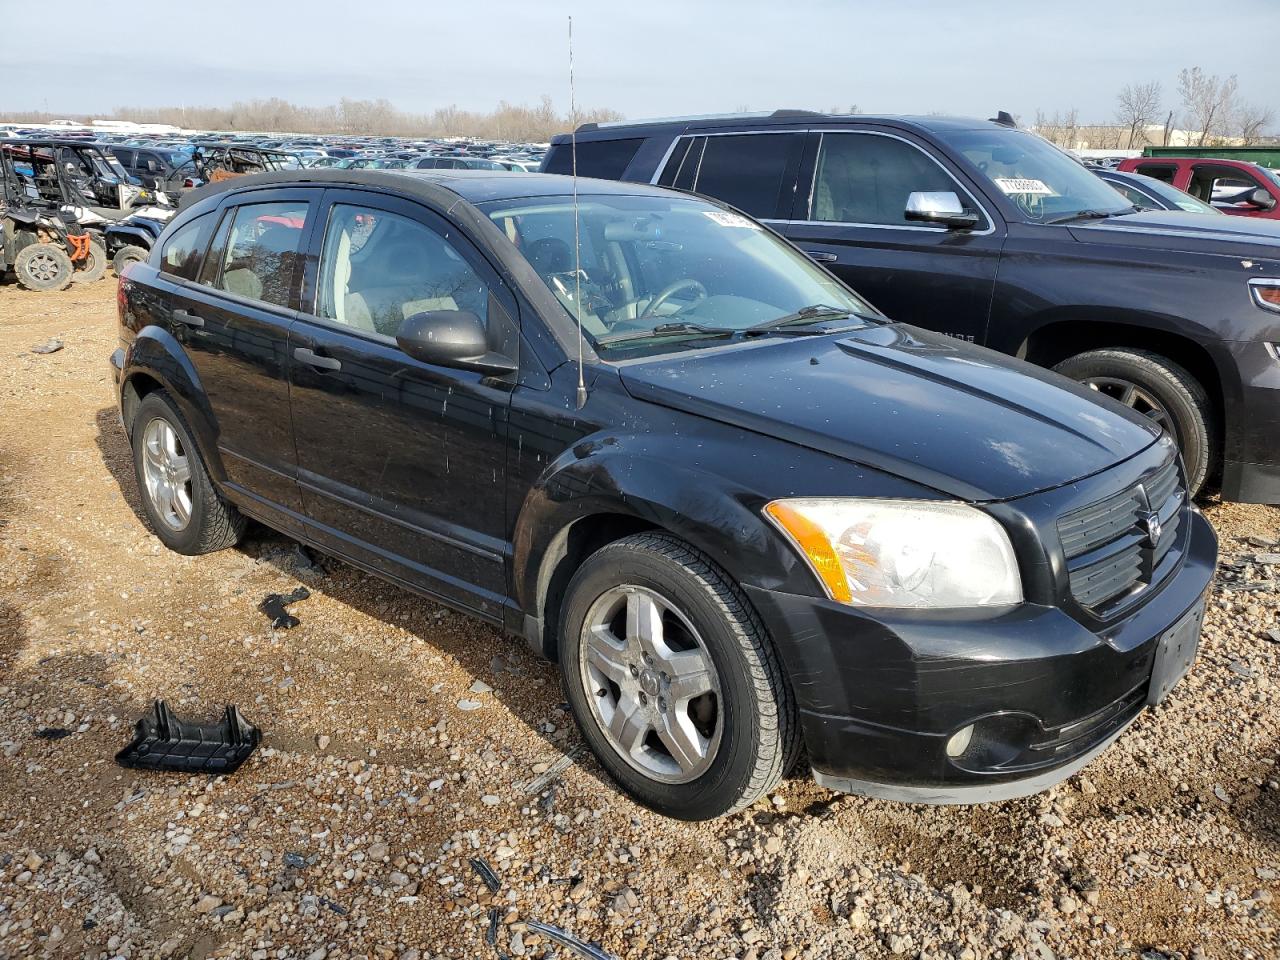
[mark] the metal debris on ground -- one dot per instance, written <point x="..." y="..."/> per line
<point x="52" y="733"/>
<point x="539" y="783"/>
<point x="491" y="935"/>
<point x="163" y="742"/>
<point x="567" y="940"/>
<point x="486" y="873"/>
<point x="273" y="605"/>
<point x="52" y="345"/>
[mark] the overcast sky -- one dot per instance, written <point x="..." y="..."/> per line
<point x="645" y="58"/>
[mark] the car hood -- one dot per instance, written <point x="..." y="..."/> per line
<point x="966" y="421"/>
<point x="1174" y="229"/>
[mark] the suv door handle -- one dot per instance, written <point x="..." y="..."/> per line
<point x="189" y="319"/>
<point x="311" y="358"/>
<point x="821" y="256"/>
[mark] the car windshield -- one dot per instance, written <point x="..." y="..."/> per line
<point x="657" y="270"/>
<point x="1046" y="184"/>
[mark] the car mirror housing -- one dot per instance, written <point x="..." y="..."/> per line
<point x="942" y="207"/>
<point x="1262" y="199"/>
<point x="451" y="338"/>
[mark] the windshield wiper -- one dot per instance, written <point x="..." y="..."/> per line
<point x="677" y="328"/>
<point x="813" y="313"/>
<point x="1091" y="215"/>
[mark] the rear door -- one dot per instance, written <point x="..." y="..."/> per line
<point x="754" y="171"/>
<point x="1230" y="188"/>
<point x="234" y="319"/>
<point x="402" y="463"/>
<point x="849" y="216"/>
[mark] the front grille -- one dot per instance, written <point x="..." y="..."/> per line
<point x="1109" y="544"/>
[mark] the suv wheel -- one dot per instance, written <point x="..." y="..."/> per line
<point x="186" y="512"/>
<point x="672" y="679"/>
<point x="43" y="267"/>
<point x="1159" y="389"/>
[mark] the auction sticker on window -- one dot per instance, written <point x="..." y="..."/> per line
<point x="1025" y="185"/>
<point x="727" y="219"/>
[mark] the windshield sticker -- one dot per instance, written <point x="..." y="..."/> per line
<point x="726" y="219"/>
<point x="1025" y="185"/>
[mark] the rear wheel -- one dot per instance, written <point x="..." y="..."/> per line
<point x="43" y="267"/>
<point x="93" y="266"/>
<point x="127" y="255"/>
<point x="186" y="512"/>
<point x="672" y="679"/>
<point x="1160" y="390"/>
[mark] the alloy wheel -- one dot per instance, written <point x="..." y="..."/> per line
<point x="1134" y="397"/>
<point x="43" y="268"/>
<point x="167" y="472"/>
<point x="651" y="684"/>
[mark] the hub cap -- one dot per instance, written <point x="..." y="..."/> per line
<point x="651" y="684"/>
<point x="43" y="267"/>
<point x="167" y="473"/>
<point x="1134" y="397"/>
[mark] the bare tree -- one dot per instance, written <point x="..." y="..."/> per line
<point x="1252" y="122"/>
<point x="1136" y="106"/>
<point x="1210" y="101"/>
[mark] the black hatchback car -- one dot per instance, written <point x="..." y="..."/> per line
<point x="743" y="511"/>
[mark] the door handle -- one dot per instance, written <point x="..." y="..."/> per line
<point x="821" y="256"/>
<point x="189" y="319"/>
<point x="311" y="358"/>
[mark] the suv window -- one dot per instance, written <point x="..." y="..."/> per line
<point x="606" y="159"/>
<point x="262" y="251"/>
<point x="1158" y="171"/>
<point x="377" y="269"/>
<point x="866" y="178"/>
<point x="749" y="171"/>
<point x="183" y="251"/>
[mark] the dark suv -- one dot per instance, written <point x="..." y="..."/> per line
<point x="992" y="235"/>
<point x="743" y="510"/>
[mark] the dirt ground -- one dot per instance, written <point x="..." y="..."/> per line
<point x="385" y="767"/>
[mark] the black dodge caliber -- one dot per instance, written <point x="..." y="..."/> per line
<point x="742" y="510"/>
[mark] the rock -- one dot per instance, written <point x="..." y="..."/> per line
<point x="578" y="891"/>
<point x="295" y="860"/>
<point x="410" y="954"/>
<point x="480" y="687"/>
<point x="900" y="944"/>
<point x="469" y="705"/>
<point x="626" y="901"/>
<point x="1240" y="669"/>
<point x="773" y="845"/>
<point x="491" y="800"/>
<point x="504" y="853"/>
<point x="91" y="857"/>
<point x="33" y="862"/>
<point x="208" y="903"/>
<point x="1273" y="636"/>
<point x="52" y="345"/>
<point x="319" y="953"/>
<point x="398" y="879"/>
<point x="1068" y="904"/>
<point x="322" y="742"/>
<point x="435" y="784"/>
<point x="1220" y="792"/>
<point x="377" y="852"/>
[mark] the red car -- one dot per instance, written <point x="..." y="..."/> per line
<point x="1232" y="186"/>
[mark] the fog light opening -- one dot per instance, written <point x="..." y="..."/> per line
<point x="960" y="741"/>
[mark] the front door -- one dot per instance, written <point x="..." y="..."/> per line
<point x="401" y="463"/>
<point x="852" y="221"/>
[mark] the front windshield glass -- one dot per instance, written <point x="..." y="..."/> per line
<point x="1046" y="184"/>
<point x="658" y="270"/>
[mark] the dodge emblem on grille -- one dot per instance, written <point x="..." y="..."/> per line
<point x="1151" y="523"/>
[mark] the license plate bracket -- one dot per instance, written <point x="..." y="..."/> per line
<point x="1175" y="653"/>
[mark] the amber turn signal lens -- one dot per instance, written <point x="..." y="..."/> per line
<point x="813" y="543"/>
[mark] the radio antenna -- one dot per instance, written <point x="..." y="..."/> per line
<point x="577" y="244"/>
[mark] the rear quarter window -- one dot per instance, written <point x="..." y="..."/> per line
<point x="606" y="159"/>
<point x="182" y="252"/>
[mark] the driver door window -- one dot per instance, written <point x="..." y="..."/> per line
<point x="378" y="268"/>
<point x="867" y="178"/>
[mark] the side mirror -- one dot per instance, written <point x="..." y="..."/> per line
<point x="451" y="338"/>
<point x="943" y="208"/>
<point x="1262" y="200"/>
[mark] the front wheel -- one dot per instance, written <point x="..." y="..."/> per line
<point x="673" y="680"/>
<point x="1160" y="390"/>
<point x="43" y="267"/>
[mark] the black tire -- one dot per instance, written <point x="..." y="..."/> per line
<point x="43" y="267"/>
<point x="214" y="523"/>
<point x="127" y="255"/>
<point x="759" y="733"/>
<point x="92" y="267"/>
<point x="1182" y="396"/>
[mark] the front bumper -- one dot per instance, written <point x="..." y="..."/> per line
<point x="1251" y="461"/>
<point x="880" y="692"/>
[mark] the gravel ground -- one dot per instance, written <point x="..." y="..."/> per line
<point x="401" y="740"/>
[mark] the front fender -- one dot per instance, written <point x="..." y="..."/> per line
<point x="156" y="354"/>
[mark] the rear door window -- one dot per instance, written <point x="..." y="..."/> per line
<point x="261" y="257"/>
<point x="753" y="172"/>
<point x="1160" y="171"/>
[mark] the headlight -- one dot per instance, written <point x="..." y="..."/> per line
<point x="1266" y="293"/>
<point x="902" y="553"/>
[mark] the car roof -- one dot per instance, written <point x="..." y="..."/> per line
<point x="781" y="118"/>
<point x="474" y="186"/>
